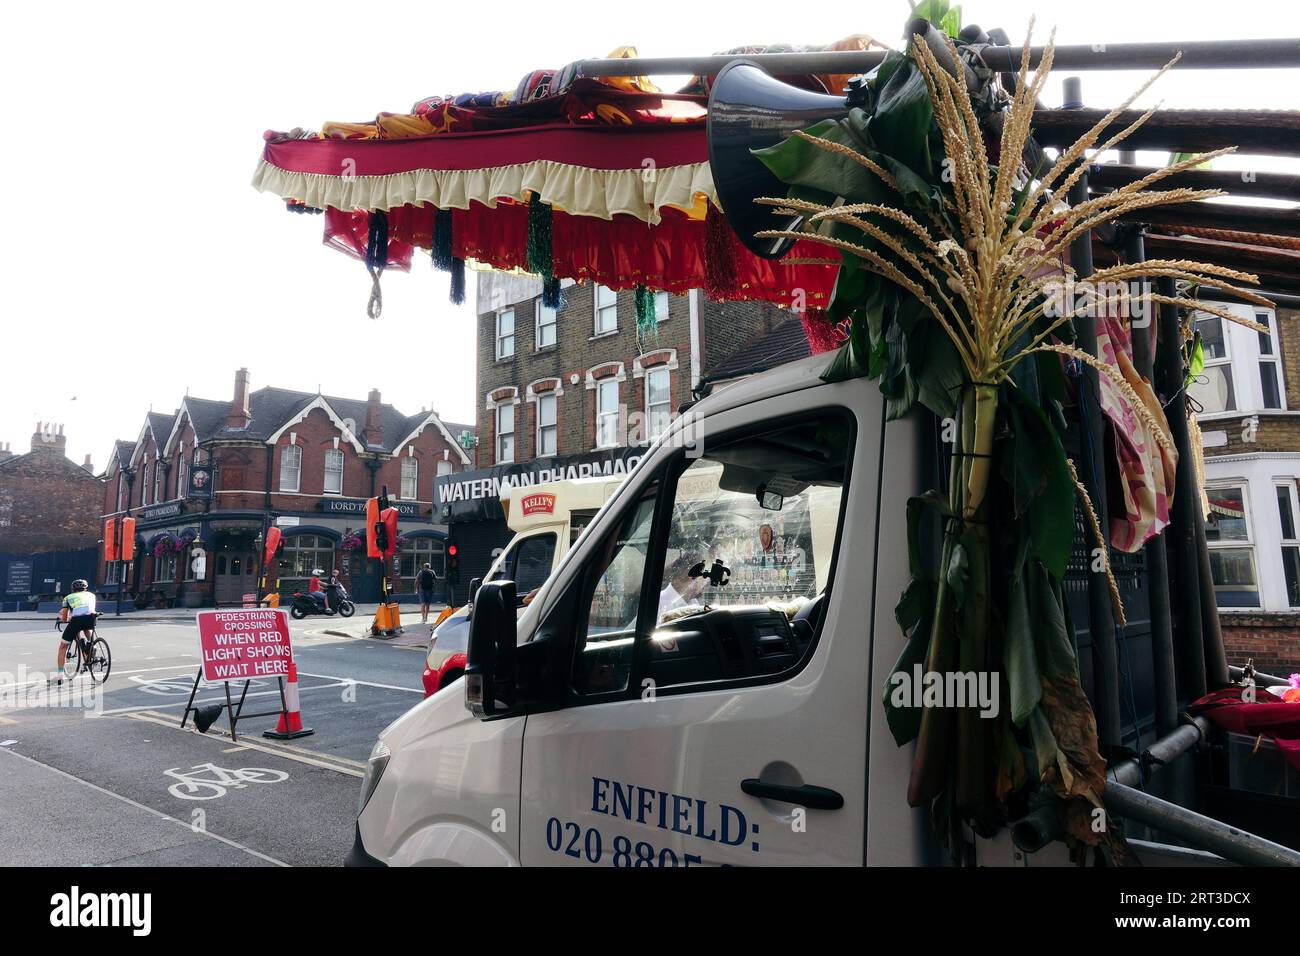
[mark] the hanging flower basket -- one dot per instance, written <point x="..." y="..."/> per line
<point x="351" y="542"/>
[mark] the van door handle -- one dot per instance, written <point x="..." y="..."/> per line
<point x="814" y="798"/>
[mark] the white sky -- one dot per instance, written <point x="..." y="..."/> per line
<point x="138" y="262"/>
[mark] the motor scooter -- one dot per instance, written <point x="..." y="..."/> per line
<point x="303" y="604"/>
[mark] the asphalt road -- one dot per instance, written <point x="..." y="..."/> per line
<point x="112" y="779"/>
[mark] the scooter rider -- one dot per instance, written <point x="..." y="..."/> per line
<point x="316" y="591"/>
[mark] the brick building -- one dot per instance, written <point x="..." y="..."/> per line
<point x="1249" y="415"/>
<point x="577" y="390"/>
<point x="205" y="481"/>
<point x="48" y="518"/>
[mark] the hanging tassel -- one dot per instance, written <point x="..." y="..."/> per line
<point x="552" y="294"/>
<point x="457" y="281"/>
<point x="822" y="334"/>
<point x="647" y="323"/>
<point x="442" y="254"/>
<point x="540" y="258"/>
<point x="376" y="260"/>
<point x="721" y="270"/>
<point x="377" y="240"/>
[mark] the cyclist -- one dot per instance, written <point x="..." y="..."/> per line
<point x="78" y="613"/>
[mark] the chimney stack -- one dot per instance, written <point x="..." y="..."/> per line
<point x="87" y="465"/>
<point x="240" y="415"/>
<point x="5" y="451"/>
<point x="374" y="430"/>
<point x="49" y="437"/>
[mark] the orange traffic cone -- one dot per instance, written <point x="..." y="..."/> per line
<point x="289" y="725"/>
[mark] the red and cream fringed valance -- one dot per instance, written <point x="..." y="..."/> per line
<point x="595" y="185"/>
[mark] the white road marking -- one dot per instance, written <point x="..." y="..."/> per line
<point x="157" y="813"/>
<point x="363" y="683"/>
<point x="324" y="761"/>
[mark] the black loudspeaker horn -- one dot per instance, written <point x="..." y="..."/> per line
<point x="205" y="717"/>
<point x="748" y="109"/>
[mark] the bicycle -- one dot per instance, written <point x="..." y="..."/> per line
<point x="89" y="651"/>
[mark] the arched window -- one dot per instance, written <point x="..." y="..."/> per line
<point x="415" y="553"/>
<point x="157" y="481"/>
<point x="144" y="483"/>
<point x="410" y="478"/>
<point x="304" y="553"/>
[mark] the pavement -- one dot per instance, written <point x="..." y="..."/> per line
<point x="111" y="778"/>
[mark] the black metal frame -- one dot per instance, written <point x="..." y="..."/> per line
<point x="235" y="711"/>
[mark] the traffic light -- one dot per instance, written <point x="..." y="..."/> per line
<point x="453" y="564"/>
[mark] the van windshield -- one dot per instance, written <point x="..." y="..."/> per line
<point x="528" y="562"/>
<point x="766" y="508"/>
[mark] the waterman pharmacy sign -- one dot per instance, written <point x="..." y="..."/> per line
<point x="476" y="495"/>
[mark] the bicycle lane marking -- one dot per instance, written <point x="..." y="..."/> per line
<point x="325" y="762"/>
<point x="140" y="806"/>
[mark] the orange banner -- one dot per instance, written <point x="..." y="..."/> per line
<point x="110" y="539"/>
<point x="128" y="539"/>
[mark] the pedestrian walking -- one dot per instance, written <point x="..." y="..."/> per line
<point x="424" y="582"/>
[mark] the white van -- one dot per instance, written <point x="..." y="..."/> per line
<point x="546" y="518"/>
<point x="736" y="735"/>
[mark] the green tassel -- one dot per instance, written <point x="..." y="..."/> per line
<point x="442" y="254"/>
<point x="647" y="324"/>
<point x="539" y="237"/>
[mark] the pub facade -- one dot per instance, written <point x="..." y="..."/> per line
<point x="207" y="482"/>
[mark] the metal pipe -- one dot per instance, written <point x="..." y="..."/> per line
<point x="1160" y="754"/>
<point x="1199" y="54"/>
<point x="1284" y="299"/>
<point x="1037" y="829"/>
<point x="1237" y="182"/>
<point x="1186" y="572"/>
<point x="1162" y="629"/>
<point x="1262" y="680"/>
<point x="1200" y="831"/>
<point x="1101" y="623"/>
<point x="1216" y="656"/>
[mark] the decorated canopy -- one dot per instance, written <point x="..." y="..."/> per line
<point x="568" y="177"/>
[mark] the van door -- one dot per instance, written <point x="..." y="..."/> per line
<point x="706" y="722"/>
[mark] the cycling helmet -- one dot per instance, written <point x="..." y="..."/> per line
<point x="79" y="585"/>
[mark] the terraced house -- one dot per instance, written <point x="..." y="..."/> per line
<point x="1248" y="399"/>
<point x="206" y="481"/>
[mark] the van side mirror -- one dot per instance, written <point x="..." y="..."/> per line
<point x="474" y="584"/>
<point x="490" y="659"/>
